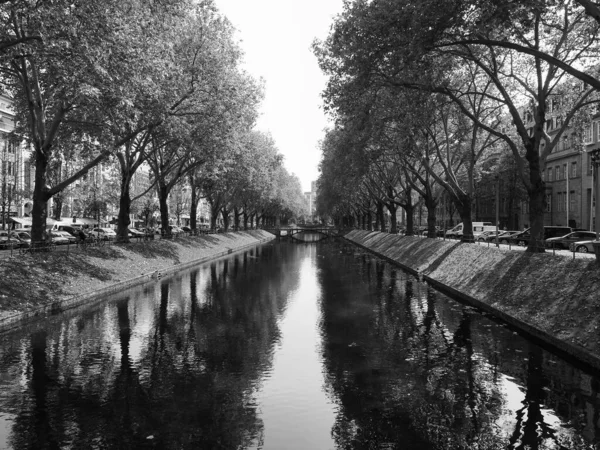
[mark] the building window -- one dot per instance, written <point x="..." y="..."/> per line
<point x="590" y="164"/>
<point x="565" y="174"/>
<point x="572" y="201"/>
<point x="8" y="168"/>
<point x="557" y="173"/>
<point x="574" y="169"/>
<point x="548" y="202"/>
<point x="543" y="176"/>
<point x="587" y="134"/>
<point x="549" y="173"/>
<point x="559" y="121"/>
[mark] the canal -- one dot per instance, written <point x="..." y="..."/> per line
<point x="288" y="346"/>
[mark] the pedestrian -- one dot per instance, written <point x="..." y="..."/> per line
<point x="82" y="235"/>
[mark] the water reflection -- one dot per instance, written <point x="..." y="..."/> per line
<point x="405" y="361"/>
<point x="288" y="346"/>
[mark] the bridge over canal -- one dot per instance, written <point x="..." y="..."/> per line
<point x="293" y="233"/>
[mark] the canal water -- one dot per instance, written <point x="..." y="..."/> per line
<point x="288" y="346"/>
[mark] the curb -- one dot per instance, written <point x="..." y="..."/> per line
<point x="574" y="354"/>
<point x="23" y="317"/>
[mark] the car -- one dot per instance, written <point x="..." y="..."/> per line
<point x="566" y="240"/>
<point x="58" y="238"/>
<point x="73" y="231"/>
<point x="487" y="236"/>
<point x="105" y="234"/>
<point x="186" y="229"/>
<point x="172" y="230"/>
<point x="176" y="230"/>
<point x="522" y="239"/>
<point x="583" y="246"/>
<point x="10" y="239"/>
<point x="72" y="239"/>
<point x="504" y="237"/>
<point x="23" y="236"/>
<point x="457" y="231"/>
<point x="136" y="233"/>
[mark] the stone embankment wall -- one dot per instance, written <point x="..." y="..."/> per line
<point x="40" y="285"/>
<point x="553" y="298"/>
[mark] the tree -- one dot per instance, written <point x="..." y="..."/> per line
<point x="403" y="45"/>
<point x="70" y="81"/>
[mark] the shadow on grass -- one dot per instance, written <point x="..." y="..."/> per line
<point x="156" y="249"/>
<point x="36" y="279"/>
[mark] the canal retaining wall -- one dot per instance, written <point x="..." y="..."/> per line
<point x="555" y="299"/>
<point x="125" y="267"/>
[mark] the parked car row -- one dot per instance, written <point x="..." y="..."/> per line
<point x="14" y="239"/>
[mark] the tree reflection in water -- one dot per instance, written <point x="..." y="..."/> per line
<point x="171" y="366"/>
<point x="412" y="369"/>
<point x="179" y="364"/>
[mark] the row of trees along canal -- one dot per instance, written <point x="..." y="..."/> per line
<point x="429" y="97"/>
<point x="127" y="83"/>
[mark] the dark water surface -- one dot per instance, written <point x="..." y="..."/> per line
<point x="288" y="346"/>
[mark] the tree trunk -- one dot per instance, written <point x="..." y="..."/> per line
<point x="537" y="206"/>
<point x="123" y="220"/>
<point x="236" y="219"/>
<point x="58" y="205"/>
<point x="410" y="219"/>
<point x="214" y="215"/>
<point x="431" y="204"/>
<point x="193" y="209"/>
<point x="463" y="204"/>
<point x="225" y="215"/>
<point x="245" y="219"/>
<point x="39" y="213"/>
<point x="381" y="217"/>
<point x="163" y="195"/>
<point x="392" y="208"/>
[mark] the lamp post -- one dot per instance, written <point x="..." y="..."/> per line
<point x="497" y="208"/>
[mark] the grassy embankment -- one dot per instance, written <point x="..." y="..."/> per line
<point x="39" y="284"/>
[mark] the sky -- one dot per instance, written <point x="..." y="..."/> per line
<point x="276" y="36"/>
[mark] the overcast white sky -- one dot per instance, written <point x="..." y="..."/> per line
<point x="276" y="36"/>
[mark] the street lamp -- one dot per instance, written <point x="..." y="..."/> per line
<point x="497" y="207"/>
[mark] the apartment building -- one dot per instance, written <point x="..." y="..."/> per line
<point x="16" y="171"/>
<point x="569" y="175"/>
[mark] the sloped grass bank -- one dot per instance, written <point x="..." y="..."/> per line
<point x="554" y="298"/>
<point x="37" y="285"/>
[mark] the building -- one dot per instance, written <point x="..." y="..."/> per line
<point x="16" y="171"/>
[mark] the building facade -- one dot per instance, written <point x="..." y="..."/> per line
<point x="16" y="171"/>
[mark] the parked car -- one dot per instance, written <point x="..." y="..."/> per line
<point x="522" y="239"/>
<point x="73" y="231"/>
<point x="582" y="246"/>
<point x="457" y="231"/>
<point x="72" y="239"/>
<point x="566" y="240"/>
<point x="105" y="234"/>
<point x="176" y="230"/>
<point x="23" y="236"/>
<point x="9" y="240"/>
<point x="58" y="238"/>
<point x="505" y="236"/>
<point x="136" y="233"/>
<point x="186" y="229"/>
<point x="487" y="236"/>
